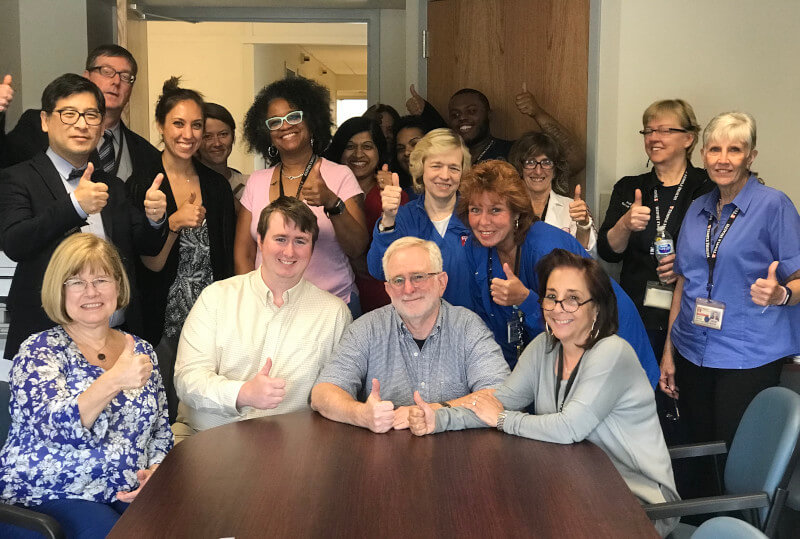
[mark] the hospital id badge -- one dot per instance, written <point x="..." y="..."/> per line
<point x="658" y="295"/>
<point x="514" y="328"/>
<point x="708" y="313"/>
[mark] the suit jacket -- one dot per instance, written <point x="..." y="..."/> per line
<point x="36" y="213"/>
<point x="27" y="139"/>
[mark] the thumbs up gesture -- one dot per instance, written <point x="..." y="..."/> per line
<point x="768" y="291"/>
<point x="383" y="177"/>
<point x="262" y="391"/>
<point x="637" y="217"/>
<point x="508" y="291"/>
<point x="6" y="93"/>
<point x="526" y="103"/>
<point x="377" y="415"/>
<point x="421" y="418"/>
<point x="578" y="210"/>
<point x="92" y="196"/>
<point x="189" y="215"/>
<point x="391" y="196"/>
<point x="155" y="200"/>
<point x="416" y="103"/>
<point x="131" y="370"/>
<point x="315" y="191"/>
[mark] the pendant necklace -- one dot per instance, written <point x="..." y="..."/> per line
<point x="98" y="351"/>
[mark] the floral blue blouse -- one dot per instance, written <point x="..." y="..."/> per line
<point x="49" y="455"/>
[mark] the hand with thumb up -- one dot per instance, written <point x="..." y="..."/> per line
<point x="262" y="391"/>
<point x="189" y="215"/>
<point x="768" y="291"/>
<point x="132" y="370"/>
<point x="391" y="197"/>
<point x="92" y="196"/>
<point x="377" y="415"/>
<point x="421" y="418"/>
<point x="637" y="217"/>
<point x="578" y="210"/>
<point x="508" y="291"/>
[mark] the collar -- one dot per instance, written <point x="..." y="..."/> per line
<point x="455" y="222"/>
<point x="437" y="326"/>
<point x="263" y="291"/>
<point x="116" y="131"/>
<point x="742" y="200"/>
<point x="63" y="166"/>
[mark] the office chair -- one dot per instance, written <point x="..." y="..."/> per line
<point x="12" y="514"/>
<point x="727" y="527"/>
<point x="760" y="461"/>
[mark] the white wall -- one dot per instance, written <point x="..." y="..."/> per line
<point x="393" y="59"/>
<point x="719" y="55"/>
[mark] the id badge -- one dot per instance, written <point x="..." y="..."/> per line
<point x="657" y="295"/>
<point x="708" y="313"/>
<point x="514" y="329"/>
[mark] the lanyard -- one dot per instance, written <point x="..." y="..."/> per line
<point x="544" y="211"/>
<point x="518" y="314"/>
<point x="672" y="204"/>
<point x="302" y="180"/>
<point x="490" y="270"/>
<point x="569" y="382"/>
<point x="711" y="254"/>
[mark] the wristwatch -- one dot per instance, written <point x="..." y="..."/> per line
<point x="788" y="296"/>
<point x="337" y="209"/>
<point x="382" y="228"/>
<point x="501" y="419"/>
<point x="445" y="404"/>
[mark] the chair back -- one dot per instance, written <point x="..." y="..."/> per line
<point x="728" y="527"/>
<point x="764" y="449"/>
<point x="5" y="413"/>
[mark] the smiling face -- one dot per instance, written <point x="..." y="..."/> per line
<point x="491" y="221"/>
<point x="414" y="303"/>
<point x="361" y="155"/>
<point x="72" y="142"/>
<point x="538" y="180"/>
<point x="287" y="138"/>
<point x="441" y="174"/>
<point x="94" y="305"/>
<point x="569" y="328"/>
<point x="469" y="117"/>
<point x="182" y="130"/>
<point x="407" y="139"/>
<point x="728" y="163"/>
<point x="663" y="149"/>
<point x="217" y="142"/>
<point x="116" y="92"/>
<point x="285" y="251"/>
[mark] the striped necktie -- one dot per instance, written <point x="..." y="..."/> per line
<point x="75" y="174"/>
<point x="106" y="152"/>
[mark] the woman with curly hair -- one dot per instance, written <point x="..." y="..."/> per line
<point x="289" y="125"/>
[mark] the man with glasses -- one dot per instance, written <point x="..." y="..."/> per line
<point x="120" y="151"/>
<point x="59" y="192"/>
<point x="418" y="343"/>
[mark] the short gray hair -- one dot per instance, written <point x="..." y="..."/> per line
<point x="434" y="254"/>
<point x="732" y="127"/>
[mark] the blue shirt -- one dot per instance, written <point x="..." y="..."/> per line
<point x="540" y="240"/>
<point x="766" y="229"/>
<point x="413" y="220"/>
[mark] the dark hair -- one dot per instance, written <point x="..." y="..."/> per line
<point x="598" y="283"/>
<point x="534" y="143"/>
<point x="171" y="95"/>
<point x="294" y="210"/>
<point x="218" y="112"/>
<point x="302" y="94"/>
<point x="375" y="111"/>
<point x="409" y="121"/>
<point x="501" y="179"/>
<point x="114" y="51"/>
<point x="480" y="95"/>
<point x="70" y="84"/>
<point x="351" y="128"/>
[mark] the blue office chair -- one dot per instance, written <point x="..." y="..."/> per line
<point x="761" y="459"/>
<point x="12" y="514"/>
<point x="727" y="527"/>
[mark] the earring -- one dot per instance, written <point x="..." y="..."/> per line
<point x="312" y="143"/>
<point x="516" y="224"/>
<point x="648" y="163"/>
<point x="548" y="330"/>
<point x="272" y="152"/>
<point x="594" y="332"/>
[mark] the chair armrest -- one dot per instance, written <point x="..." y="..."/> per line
<point x="697" y="450"/>
<point x="31" y="520"/>
<point x="711" y="504"/>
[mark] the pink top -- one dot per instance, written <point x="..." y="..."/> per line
<point x="329" y="268"/>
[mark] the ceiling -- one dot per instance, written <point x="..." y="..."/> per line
<point x="318" y="4"/>
<point x="340" y="59"/>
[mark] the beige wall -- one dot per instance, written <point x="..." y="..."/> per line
<point x="719" y="55"/>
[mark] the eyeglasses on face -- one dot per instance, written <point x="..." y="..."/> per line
<point x="100" y="284"/>
<point x="71" y="116"/>
<point x="293" y="118"/>
<point x="109" y="73"/>
<point x="664" y="131"/>
<point x="570" y="305"/>
<point x="416" y="279"/>
<point x="531" y="164"/>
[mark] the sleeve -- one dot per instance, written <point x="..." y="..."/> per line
<point x="486" y="367"/>
<point x="160" y="440"/>
<point x="382" y="240"/>
<point x="431" y="117"/>
<point x="348" y="365"/>
<point x="616" y="209"/>
<point x="786" y="239"/>
<point x="42" y="400"/>
<point x="631" y="328"/>
<point x="197" y="381"/>
<point x="147" y="238"/>
<point x="248" y="193"/>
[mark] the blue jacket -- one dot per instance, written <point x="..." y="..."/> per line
<point x="412" y="220"/>
<point x="540" y="240"/>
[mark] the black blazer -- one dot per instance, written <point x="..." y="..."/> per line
<point x="36" y="213"/>
<point x="27" y="139"/>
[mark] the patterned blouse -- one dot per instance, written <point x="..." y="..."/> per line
<point x="49" y="455"/>
<point x="194" y="274"/>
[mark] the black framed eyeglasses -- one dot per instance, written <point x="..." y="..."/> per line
<point x="109" y="73"/>
<point x="546" y="164"/>
<point x="570" y="305"/>
<point x="662" y="131"/>
<point x="416" y="279"/>
<point x="92" y="117"/>
<point x="293" y="118"/>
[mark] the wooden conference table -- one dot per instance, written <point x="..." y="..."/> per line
<point x="301" y="475"/>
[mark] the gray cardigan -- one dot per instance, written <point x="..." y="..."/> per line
<point x="611" y="404"/>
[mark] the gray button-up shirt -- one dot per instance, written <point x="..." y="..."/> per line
<point x="459" y="356"/>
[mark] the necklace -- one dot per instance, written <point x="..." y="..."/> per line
<point x="486" y="149"/>
<point x="98" y="351"/>
<point x="294" y="177"/>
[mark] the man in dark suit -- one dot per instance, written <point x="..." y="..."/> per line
<point x="120" y="151"/>
<point x="58" y="193"/>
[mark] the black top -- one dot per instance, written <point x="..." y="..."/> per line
<point x="498" y="150"/>
<point x="638" y="264"/>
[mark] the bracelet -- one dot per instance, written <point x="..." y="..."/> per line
<point x="587" y="226"/>
<point x="445" y="404"/>
<point x="788" y="296"/>
<point x="501" y="419"/>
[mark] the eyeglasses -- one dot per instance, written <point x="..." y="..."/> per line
<point x="570" y="305"/>
<point x="664" y="131"/>
<point x="100" y="284"/>
<point x="71" y="116"/>
<point x="293" y="118"/>
<point x="546" y="164"/>
<point x="416" y="279"/>
<point x="109" y="73"/>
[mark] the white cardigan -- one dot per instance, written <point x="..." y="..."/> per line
<point x="558" y="216"/>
